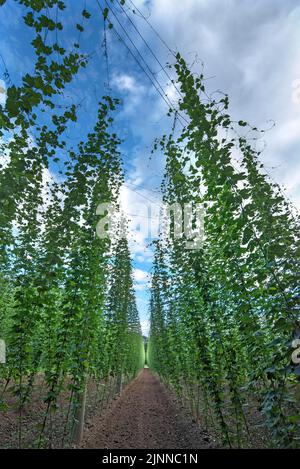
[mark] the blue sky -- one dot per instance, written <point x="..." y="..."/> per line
<point x="248" y="49"/>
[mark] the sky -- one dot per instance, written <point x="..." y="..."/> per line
<point x="247" y="49"/>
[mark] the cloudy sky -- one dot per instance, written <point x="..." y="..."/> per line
<point x="248" y="49"/>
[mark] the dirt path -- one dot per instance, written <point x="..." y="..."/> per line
<point x="145" y="416"/>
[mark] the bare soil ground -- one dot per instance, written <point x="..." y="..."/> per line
<point x="145" y="416"/>
<point x="57" y="431"/>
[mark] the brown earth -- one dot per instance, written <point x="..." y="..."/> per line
<point x="57" y="431"/>
<point x="145" y="416"/>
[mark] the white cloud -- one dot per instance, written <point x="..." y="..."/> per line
<point x="127" y="83"/>
<point x="286" y="133"/>
<point x="140" y="258"/>
<point x="140" y="275"/>
<point x="251" y="51"/>
<point x="132" y="90"/>
<point x="140" y="287"/>
<point x="145" y="325"/>
<point x="141" y="282"/>
<point x="141" y="207"/>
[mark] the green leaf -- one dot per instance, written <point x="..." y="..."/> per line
<point x="86" y="14"/>
<point x="105" y="13"/>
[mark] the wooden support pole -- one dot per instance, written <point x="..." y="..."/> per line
<point x="80" y="417"/>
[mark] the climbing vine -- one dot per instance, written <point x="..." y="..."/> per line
<point x="66" y="333"/>
<point x="223" y="316"/>
<point x="221" y="334"/>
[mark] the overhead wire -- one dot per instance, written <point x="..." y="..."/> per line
<point x="153" y="79"/>
<point x="151" y="50"/>
<point x="153" y="29"/>
<point x="281" y="189"/>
